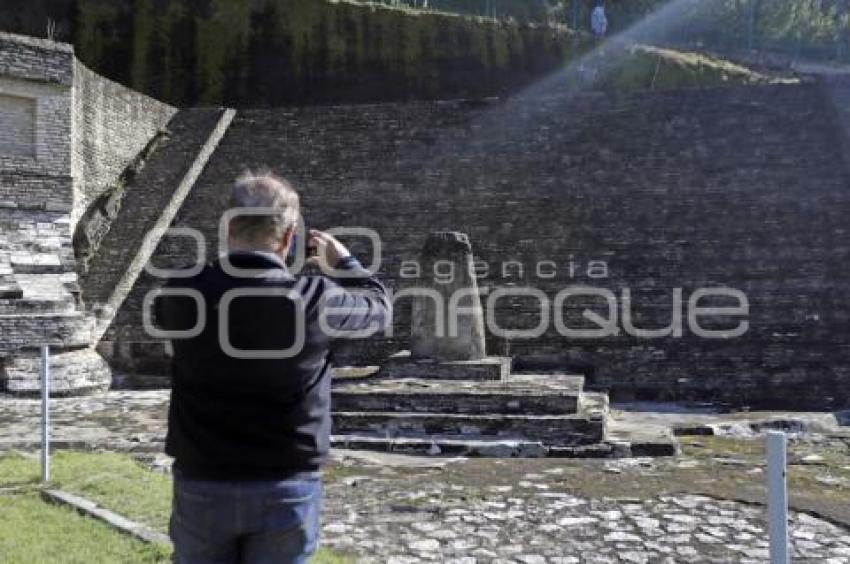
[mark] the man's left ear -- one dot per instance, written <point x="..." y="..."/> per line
<point x="289" y="236"/>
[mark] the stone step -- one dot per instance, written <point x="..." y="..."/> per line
<point x="526" y="394"/>
<point x="10" y="290"/>
<point x="443" y="446"/>
<point x="594" y="404"/>
<point x="74" y="372"/>
<point x="489" y="448"/>
<point x="644" y="439"/>
<point x="401" y="365"/>
<point x="34" y="306"/>
<point x="38" y="263"/>
<point x="561" y="430"/>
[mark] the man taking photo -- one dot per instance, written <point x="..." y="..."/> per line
<point x="249" y="419"/>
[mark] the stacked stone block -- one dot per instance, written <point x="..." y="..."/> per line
<point x="742" y="187"/>
<point x="449" y="395"/>
<point x="70" y="133"/>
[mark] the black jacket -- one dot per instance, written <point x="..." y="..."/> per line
<point x="236" y="418"/>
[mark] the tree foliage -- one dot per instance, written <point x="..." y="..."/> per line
<point x="812" y="28"/>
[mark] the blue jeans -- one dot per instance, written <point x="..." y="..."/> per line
<point x="245" y="522"/>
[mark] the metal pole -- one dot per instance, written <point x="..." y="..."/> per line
<point x="777" y="497"/>
<point x="45" y="413"/>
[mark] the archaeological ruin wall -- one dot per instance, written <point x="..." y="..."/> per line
<point x="642" y="196"/>
<point x="67" y="134"/>
<point x="36" y="84"/>
<point x="741" y="188"/>
<point x="112" y="125"/>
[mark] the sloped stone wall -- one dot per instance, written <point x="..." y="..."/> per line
<point x="112" y="124"/>
<point x="737" y="187"/>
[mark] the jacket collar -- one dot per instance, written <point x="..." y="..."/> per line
<point x="258" y="260"/>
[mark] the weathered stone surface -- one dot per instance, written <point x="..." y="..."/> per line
<point x="557" y="430"/>
<point x="401" y="365"/>
<point x="57" y="329"/>
<point x="544" y="396"/>
<point x="11" y="291"/>
<point x="112" y="125"/>
<point x="524" y="180"/>
<point x="452" y="326"/>
<point x="69" y="133"/>
<point x="71" y="373"/>
<point x="533" y="521"/>
<point x="35" y="59"/>
<point x="544" y="184"/>
<point x="145" y="200"/>
<point x="444" y="446"/>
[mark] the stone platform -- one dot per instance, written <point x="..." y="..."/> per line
<point x="520" y="415"/>
<point x="541" y="395"/>
<point x="401" y="365"/>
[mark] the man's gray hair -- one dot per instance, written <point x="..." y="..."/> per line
<point x="270" y="193"/>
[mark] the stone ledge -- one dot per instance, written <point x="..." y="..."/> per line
<point x="541" y="397"/>
<point x="36" y="206"/>
<point x="37" y="42"/>
<point x="84" y="445"/>
<point x="37" y="263"/>
<point x="401" y="365"/>
<point x="495" y="448"/>
<point x="440" y="446"/>
<point x="560" y="430"/>
<point x="78" y="372"/>
<point x="92" y="509"/>
<point x="11" y="292"/>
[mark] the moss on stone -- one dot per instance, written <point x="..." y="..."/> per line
<point x="264" y="52"/>
<point x="642" y="67"/>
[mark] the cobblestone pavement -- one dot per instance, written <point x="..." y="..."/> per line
<point x="527" y="523"/>
<point x="387" y="508"/>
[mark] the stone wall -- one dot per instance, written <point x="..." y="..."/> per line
<point x="737" y="187"/>
<point x="30" y="58"/>
<point x="112" y="124"/>
<point x="36" y="85"/>
<point x="35" y="164"/>
<point x="17" y="115"/>
<point x="258" y="52"/>
<point x="67" y="136"/>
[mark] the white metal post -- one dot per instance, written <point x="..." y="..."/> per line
<point x="777" y="497"/>
<point x="45" y="413"/>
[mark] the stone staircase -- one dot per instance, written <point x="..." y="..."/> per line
<point x="446" y="396"/>
<point x="519" y="415"/>
<point x="39" y="305"/>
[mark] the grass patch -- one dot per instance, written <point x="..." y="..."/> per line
<point x="643" y="67"/>
<point x="34" y="531"/>
<point x="115" y="481"/>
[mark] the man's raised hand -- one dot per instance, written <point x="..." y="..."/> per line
<point x="329" y="251"/>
